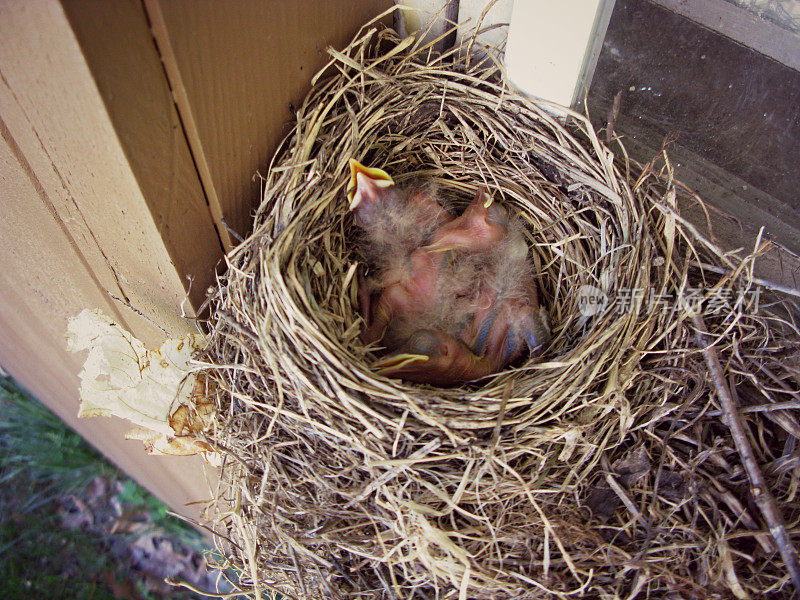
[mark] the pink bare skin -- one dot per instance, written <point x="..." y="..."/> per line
<point x="478" y="229"/>
<point x="408" y="294"/>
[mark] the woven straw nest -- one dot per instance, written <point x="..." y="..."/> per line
<point x="601" y="468"/>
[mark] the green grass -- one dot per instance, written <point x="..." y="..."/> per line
<point x="41" y="461"/>
<point x="38" y="560"/>
<point x="36" y="445"/>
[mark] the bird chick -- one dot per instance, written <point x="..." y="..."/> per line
<point x="394" y="220"/>
<point x="492" y="305"/>
<point x="454" y="299"/>
<point x="396" y="223"/>
<point x="505" y="311"/>
<point x="420" y="294"/>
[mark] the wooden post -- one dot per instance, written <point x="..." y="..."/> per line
<point x="553" y="47"/>
<point x="119" y="178"/>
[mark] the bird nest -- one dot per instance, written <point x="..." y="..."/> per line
<point x="602" y="468"/>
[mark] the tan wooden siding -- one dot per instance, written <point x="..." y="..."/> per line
<point x="237" y="68"/>
<point x="107" y="188"/>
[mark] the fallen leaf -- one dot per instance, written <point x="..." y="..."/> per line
<point x="602" y="501"/>
<point x="633" y="467"/>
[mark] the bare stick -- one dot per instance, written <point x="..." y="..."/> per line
<point x="758" y="486"/>
<point x="773" y="407"/>
<point x="767" y="284"/>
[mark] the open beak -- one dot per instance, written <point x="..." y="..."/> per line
<point x="365" y="182"/>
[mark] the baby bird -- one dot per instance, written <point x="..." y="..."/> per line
<point x="395" y="221"/>
<point x="505" y="313"/>
<point x="454" y="298"/>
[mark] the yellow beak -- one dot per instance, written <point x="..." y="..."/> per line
<point x="358" y="173"/>
<point x="397" y="362"/>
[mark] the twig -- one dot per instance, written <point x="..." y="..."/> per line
<point x="612" y="116"/>
<point x="757" y="280"/>
<point x="756" y="408"/>
<point x="758" y="486"/>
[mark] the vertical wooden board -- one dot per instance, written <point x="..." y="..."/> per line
<point x="241" y="65"/>
<point x="99" y="188"/>
<point x="114" y="75"/>
<point x="550" y="47"/>
<point x="76" y="227"/>
<point x="45" y="280"/>
<point x="60" y="127"/>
